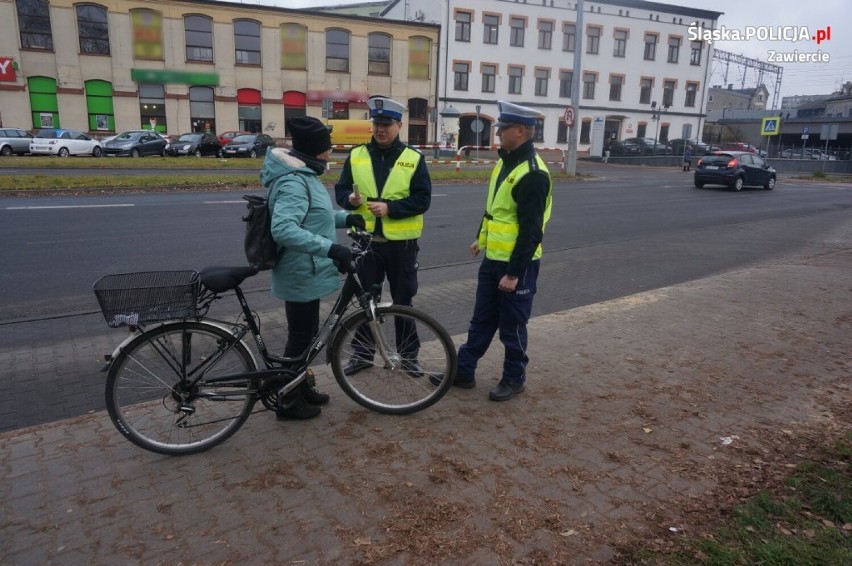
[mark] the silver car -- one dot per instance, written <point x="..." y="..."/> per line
<point x="14" y="141"/>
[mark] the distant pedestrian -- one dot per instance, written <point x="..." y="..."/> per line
<point x="687" y="157"/>
<point x="605" y="152"/>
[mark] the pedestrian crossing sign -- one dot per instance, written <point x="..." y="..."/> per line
<point x="770" y="126"/>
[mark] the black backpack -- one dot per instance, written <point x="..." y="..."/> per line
<point x="261" y="250"/>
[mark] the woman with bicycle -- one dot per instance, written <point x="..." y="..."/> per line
<point x="303" y="225"/>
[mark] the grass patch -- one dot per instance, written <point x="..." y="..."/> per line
<point x="806" y="520"/>
<point x="819" y="174"/>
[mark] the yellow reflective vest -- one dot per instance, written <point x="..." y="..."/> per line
<point x="499" y="230"/>
<point x="397" y="186"/>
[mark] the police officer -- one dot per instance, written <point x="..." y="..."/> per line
<point x="387" y="183"/>
<point x="516" y="213"/>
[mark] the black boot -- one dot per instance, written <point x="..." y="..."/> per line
<point x="310" y="393"/>
<point x="295" y="407"/>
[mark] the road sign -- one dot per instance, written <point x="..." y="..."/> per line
<point x="769" y="126"/>
<point x="477" y="125"/>
<point x="570" y="116"/>
<point x="806" y="130"/>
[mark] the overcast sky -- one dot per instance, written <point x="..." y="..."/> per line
<point x="797" y="78"/>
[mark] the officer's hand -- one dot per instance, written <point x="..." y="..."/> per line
<point x="355" y="221"/>
<point x="508" y="284"/>
<point x="342" y="257"/>
<point x="378" y="209"/>
<point x="474" y="248"/>
<point x="356" y="199"/>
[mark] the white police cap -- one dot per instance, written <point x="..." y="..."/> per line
<point x="515" y="114"/>
<point x="384" y="109"/>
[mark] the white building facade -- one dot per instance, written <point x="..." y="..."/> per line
<point x="642" y="73"/>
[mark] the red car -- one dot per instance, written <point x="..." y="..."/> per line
<point x="225" y="137"/>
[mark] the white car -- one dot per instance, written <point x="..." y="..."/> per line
<point x="64" y="143"/>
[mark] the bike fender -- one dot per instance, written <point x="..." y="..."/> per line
<point x="350" y="315"/>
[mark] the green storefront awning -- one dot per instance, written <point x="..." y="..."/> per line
<point x="162" y="76"/>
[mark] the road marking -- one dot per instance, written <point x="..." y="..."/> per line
<point x="223" y="201"/>
<point x="67" y="206"/>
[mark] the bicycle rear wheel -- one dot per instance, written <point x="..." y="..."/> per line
<point x="419" y="351"/>
<point x="151" y="397"/>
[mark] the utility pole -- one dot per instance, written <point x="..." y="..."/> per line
<point x="576" y="77"/>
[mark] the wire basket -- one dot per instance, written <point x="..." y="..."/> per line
<point x="152" y="296"/>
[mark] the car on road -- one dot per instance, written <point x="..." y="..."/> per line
<point x="14" y="141"/>
<point x="195" y="144"/>
<point x="734" y="169"/>
<point x="623" y="148"/>
<point x="226" y="137"/>
<point x="61" y="142"/>
<point x="136" y="143"/>
<point x="248" y="145"/>
<point x="650" y="146"/>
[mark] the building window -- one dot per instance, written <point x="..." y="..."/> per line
<point x="34" y="24"/>
<point x="589" y="80"/>
<point x="248" y="110"/>
<point x="674" y="49"/>
<point x="645" y="86"/>
<point x="664" y="133"/>
<point x="593" y="40"/>
<point x="668" y="93"/>
<point x="152" y="108"/>
<point x="489" y="77"/>
<point x="562" y="132"/>
<point x="337" y="50"/>
<point x="463" y="26"/>
<point x="615" y="82"/>
<point x="93" y="28"/>
<point x="516" y="76"/>
<point x="419" y="57"/>
<point x="542" y="77"/>
<point x="695" y="53"/>
<point x="147" y="31"/>
<point x="585" y="128"/>
<point x="691" y="91"/>
<point x="199" y="38"/>
<point x="565" y="78"/>
<point x="620" y="49"/>
<point x="517" y="27"/>
<point x="247" y="42"/>
<point x="378" y="54"/>
<point x="293" y="39"/>
<point x="545" y="34"/>
<point x="538" y="136"/>
<point x="491" y="28"/>
<point x="642" y="130"/>
<point x="99" y="106"/>
<point x="461" y="72"/>
<point x="202" y="110"/>
<point x="650" y="46"/>
<point x="569" y="37"/>
<point x="294" y="107"/>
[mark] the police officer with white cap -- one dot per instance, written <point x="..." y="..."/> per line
<point x="517" y="209"/>
<point x="387" y="183"/>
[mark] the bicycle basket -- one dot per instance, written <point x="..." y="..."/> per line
<point x="151" y="296"/>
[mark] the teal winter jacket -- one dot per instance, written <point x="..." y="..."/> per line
<point x="304" y="273"/>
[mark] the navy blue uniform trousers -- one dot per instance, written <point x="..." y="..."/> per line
<point x="507" y="313"/>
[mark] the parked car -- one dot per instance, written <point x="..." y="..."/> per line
<point x="248" y="145"/>
<point x="225" y="137"/>
<point x="623" y="148"/>
<point x="650" y="147"/>
<point x="14" y="141"/>
<point x="822" y="155"/>
<point x="195" y="144"/>
<point x="734" y="169"/>
<point x="61" y="142"/>
<point x="136" y="143"/>
<point x="699" y="148"/>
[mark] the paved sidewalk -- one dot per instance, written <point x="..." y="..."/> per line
<point x="632" y="406"/>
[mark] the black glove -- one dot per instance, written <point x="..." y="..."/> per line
<point x="355" y="221"/>
<point x="342" y="257"/>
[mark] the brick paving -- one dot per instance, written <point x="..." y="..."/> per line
<point x="632" y="404"/>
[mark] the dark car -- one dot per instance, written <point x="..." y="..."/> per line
<point x="136" y="143"/>
<point x="734" y="169"/>
<point x="650" y="147"/>
<point x="623" y="148"/>
<point x="248" y="145"/>
<point x="14" y="141"/>
<point x="699" y="148"/>
<point x="195" y="144"/>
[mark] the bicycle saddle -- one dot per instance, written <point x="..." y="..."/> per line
<point x="221" y="279"/>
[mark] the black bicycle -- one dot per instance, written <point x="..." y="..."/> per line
<point x="183" y="382"/>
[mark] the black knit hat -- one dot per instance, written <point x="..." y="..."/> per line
<point x="310" y="136"/>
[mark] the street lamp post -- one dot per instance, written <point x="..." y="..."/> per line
<point x="478" y="130"/>
<point x="656" y="111"/>
<point x="724" y="109"/>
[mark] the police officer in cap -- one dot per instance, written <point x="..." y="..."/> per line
<point x="387" y="183"/>
<point x="511" y="231"/>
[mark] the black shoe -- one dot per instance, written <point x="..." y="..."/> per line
<point x="461" y="382"/>
<point x="413" y="369"/>
<point x="505" y="390"/>
<point x="297" y="409"/>
<point x="314" y="397"/>
<point x="355" y="365"/>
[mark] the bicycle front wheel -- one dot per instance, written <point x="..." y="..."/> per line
<point x="177" y="388"/>
<point x="416" y="369"/>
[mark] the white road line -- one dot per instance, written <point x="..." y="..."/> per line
<point x="223" y="202"/>
<point x="67" y="206"/>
